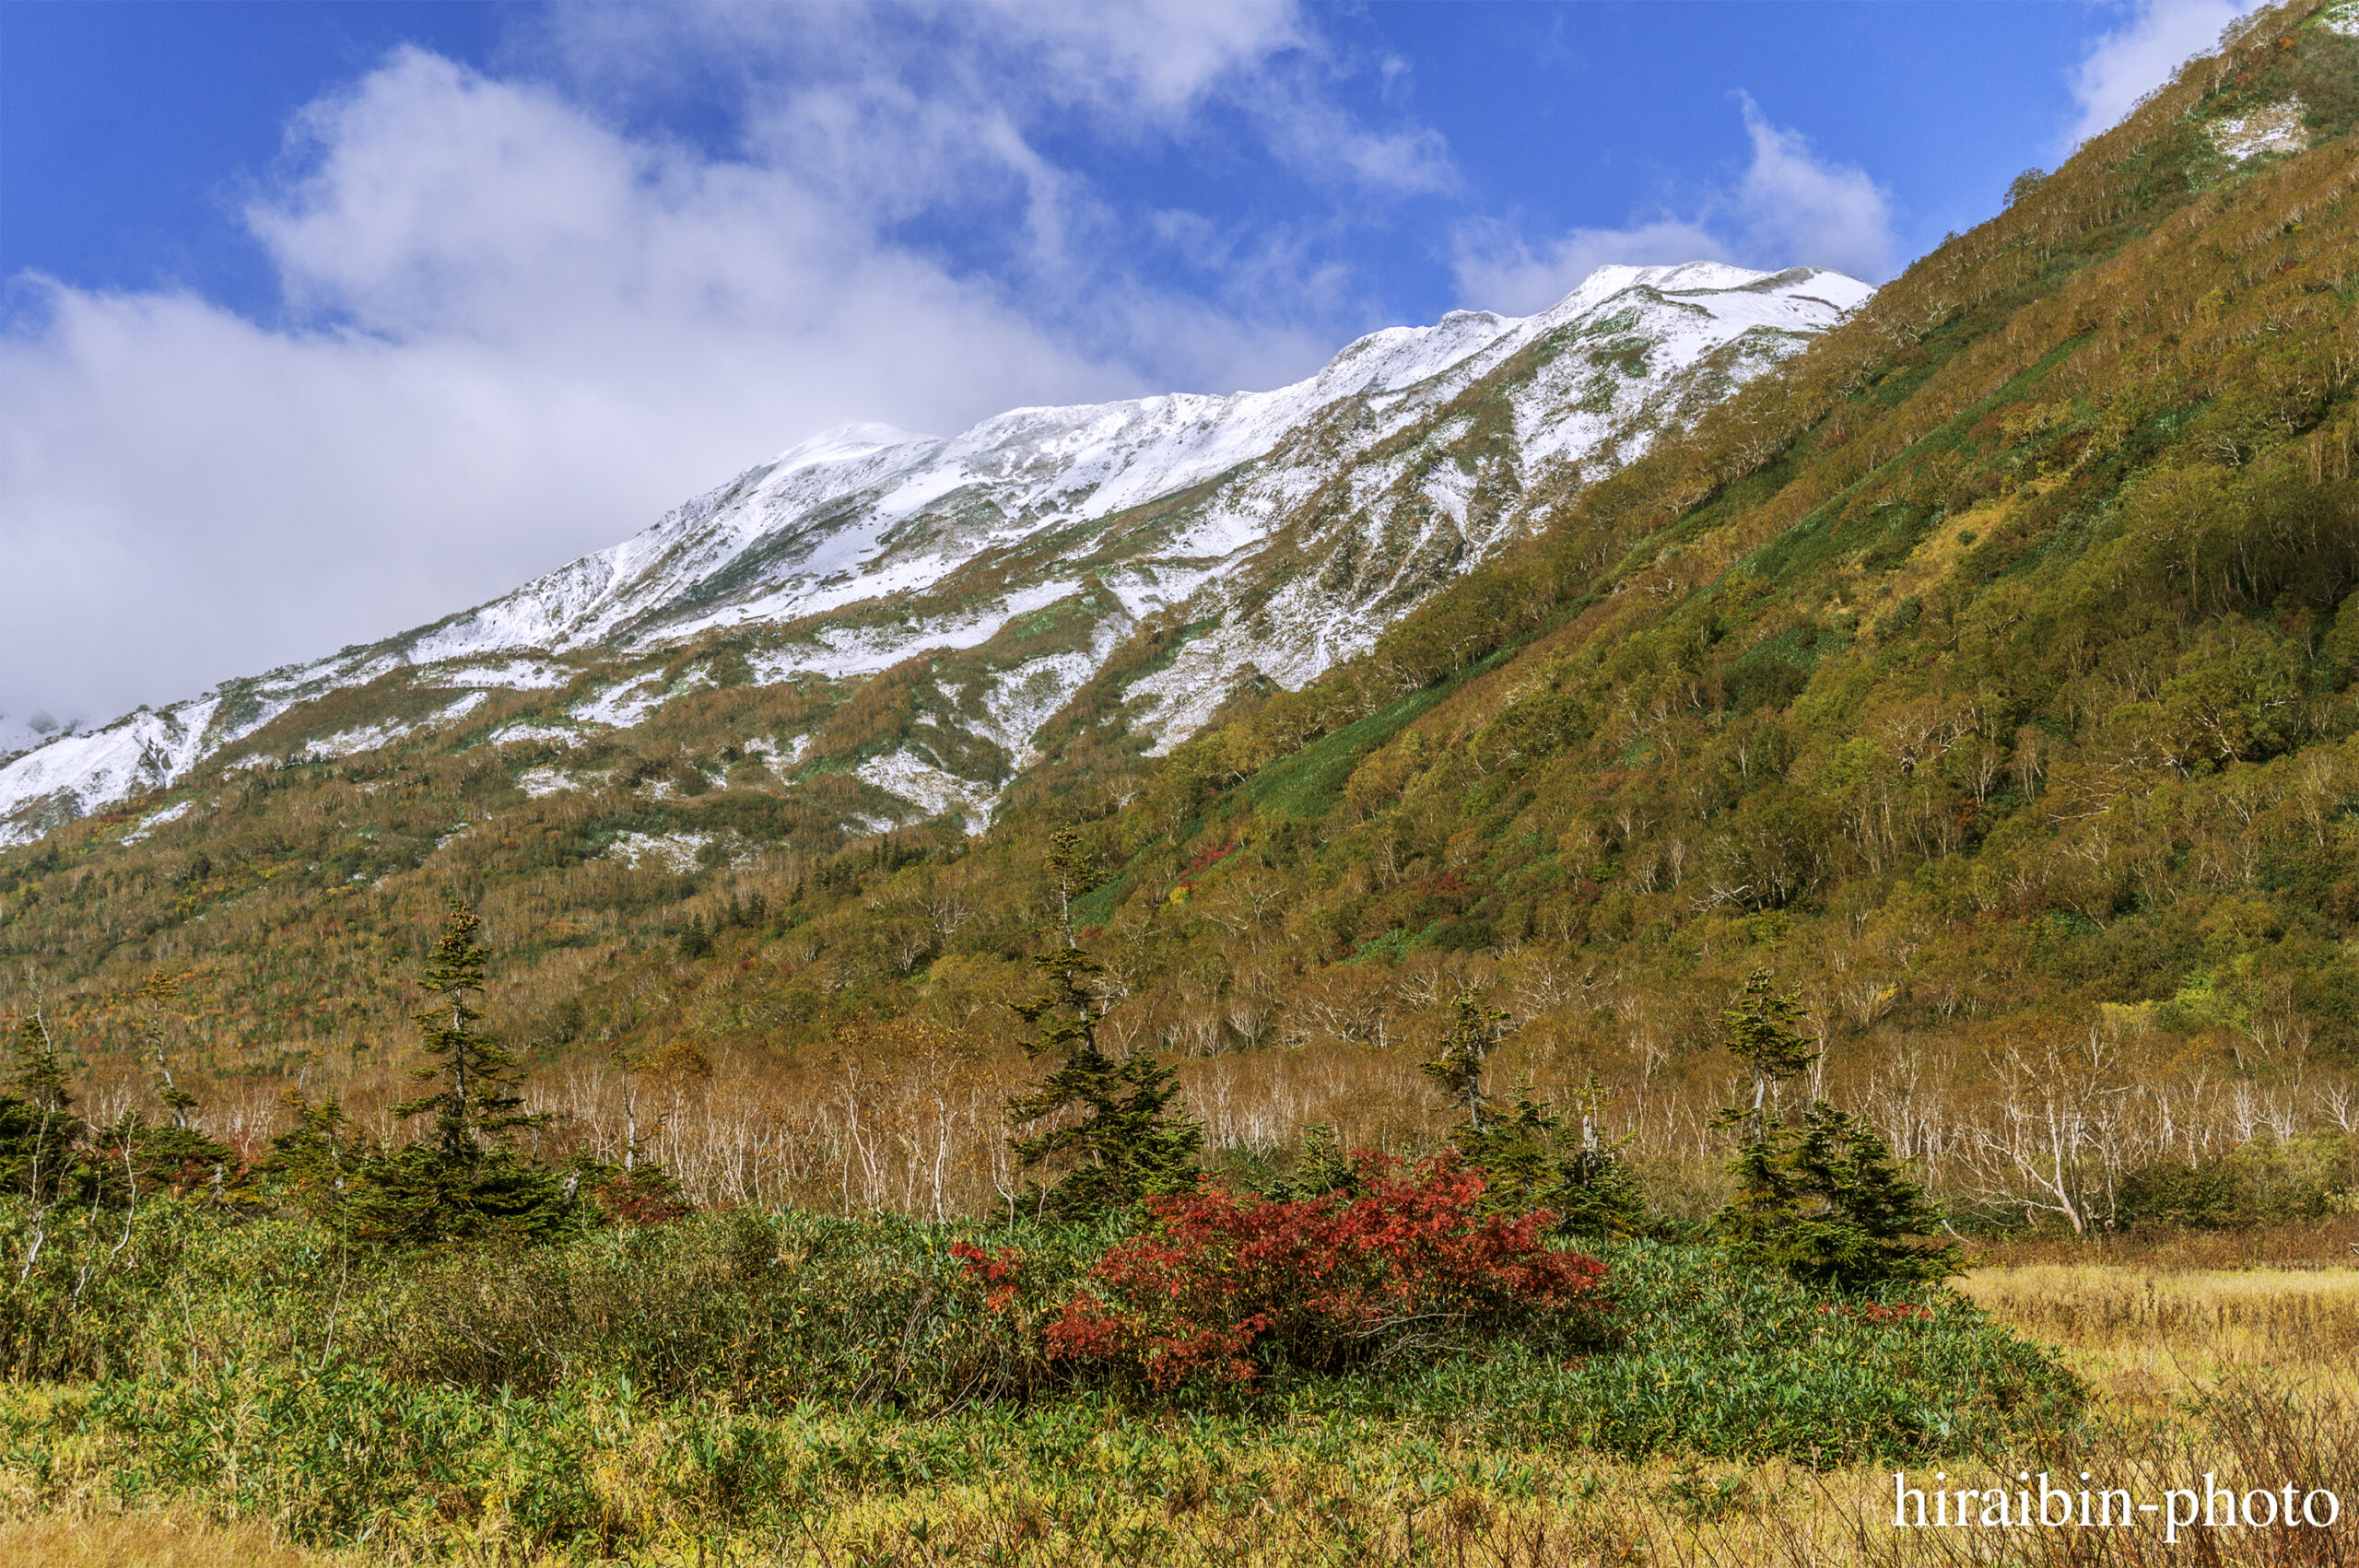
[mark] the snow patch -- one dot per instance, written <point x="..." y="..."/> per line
<point x="2275" y="129"/>
<point x="509" y="733"/>
<point x="368" y="738"/>
<point x="624" y="706"/>
<point x="929" y="788"/>
<point x="515" y="675"/>
<point x="155" y="820"/>
<point x="673" y="851"/>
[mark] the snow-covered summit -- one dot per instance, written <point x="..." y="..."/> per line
<point x="1284" y="529"/>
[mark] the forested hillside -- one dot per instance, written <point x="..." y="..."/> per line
<point x="1986" y="672"/>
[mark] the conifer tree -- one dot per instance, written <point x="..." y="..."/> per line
<point x="1130" y="1141"/>
<point x="140" y="1155"/>
<point x="1322" y="1169"/>
<point x="1526" y="1164"/>
<point x="1457" y="1066"/>
<point x="1827" y="1201"/>
<point x="1870" y="1222"/>
<point x="319" y="1163"/>
<point x="1763" y="1037"/>
<point x="1521" y="1152"/>
<point x="477" y="1076"/>
<point x="1769" y="1199"/>
<point x="1595" y="1193"/>
<point x="1070" y="864"/>
<point x="158" y="990"/>
<point x="38" y="1131"/>
<point x="455" y="1183"/>
<point x="37" y="1077"/>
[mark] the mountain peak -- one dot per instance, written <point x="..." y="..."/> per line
<point x="854" y="438"/>
<point x="1129" y="565"/>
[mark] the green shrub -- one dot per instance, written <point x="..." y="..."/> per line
<point x="2263" y="1182"/>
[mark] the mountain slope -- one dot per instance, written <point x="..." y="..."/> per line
<point x="1277" y="533"/>
<point x="1989" y="672"/>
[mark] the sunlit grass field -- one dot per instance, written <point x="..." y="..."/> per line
<point x="2246" y="1372"/>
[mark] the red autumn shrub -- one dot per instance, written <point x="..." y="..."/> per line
<point x="647" y="1196"/>
<point x="1225" y="1285"/>
<point x="996" y="1270"/>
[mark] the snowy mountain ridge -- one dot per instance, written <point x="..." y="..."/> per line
<point x="1280" y="532"/>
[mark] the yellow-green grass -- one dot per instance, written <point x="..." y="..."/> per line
<point x="2246" y="1372"/>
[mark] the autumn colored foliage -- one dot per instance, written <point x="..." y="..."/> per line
<point x="1226" y="1285"/>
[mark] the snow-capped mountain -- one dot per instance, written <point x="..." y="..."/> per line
<point x="1263" y="534"/>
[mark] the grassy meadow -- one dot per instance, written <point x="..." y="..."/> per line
<point x="789" y="1388"/>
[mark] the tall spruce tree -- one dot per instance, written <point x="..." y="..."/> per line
<point x="1863" y="1222"/>
<point x="1457" y="1066"/>
<point x="476" y="1077"/>
<point x="1521" y="1152"/>
<point x="1070" y="866"/>
<point x="319" y="1164"/>
<point x="141" y="1154"/>
<point x="1125" y="1139"/>
<point x="1595" y="1193"/>
<point x="461" y="1181"/>
<point x="1763" y="1034"/>
<point x="1826" y="1201"/>
<point x="39" y="1133"/>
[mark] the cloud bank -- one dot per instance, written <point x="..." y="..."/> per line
<point x="2155" y="38"/>
<point x="516" y="328"/>
<point x="1789" y="208"/>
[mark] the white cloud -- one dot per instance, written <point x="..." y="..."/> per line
<point x="1499" y="270"/>
<point x="2154" y="40"/>
<point x="515" y="332"/>
<point x="526" y="337"/>
<point x="1796" y="209"/>
<point x="1790" y="208"/>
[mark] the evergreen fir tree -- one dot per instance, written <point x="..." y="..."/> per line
<point x="1457" y="1066"/>
<point x="1070" y="865"/>
<point x="158" y="990"/>
<point x="36" y="1076"/>
<point x="1859" y="1220"/>
<point x="1130" y="1142"/>
<point x="1523" y="1156"/>
<point x="319" y="1164"/>
<point x="1522" y="1152"/>
<point x="1518" y="1154"/>
<point x="1595" y="1193"/>
<point x="455" y="1184"/>
<point x="1827" y="1201"/>
<point x="134" y="1157"/>
<point x="1763" y="1037"/>
<point x="477" y="1077"/>
<point x="39" y="1132"/>
<point x="1321" y="1169"/>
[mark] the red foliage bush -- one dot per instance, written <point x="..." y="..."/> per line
<point x="1223" y="1279"/>
<point x="644" y="1196"/>
<point x="996" y="1271"/>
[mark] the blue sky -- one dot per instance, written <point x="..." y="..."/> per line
<point x="323" y="319"/>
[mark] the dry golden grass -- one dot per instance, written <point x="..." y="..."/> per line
<point x="151" y="1539"/>
<point x="2251" y="1372"/>
<point x="2158" y="1334"/>
<point x="2312" y="1244"/>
